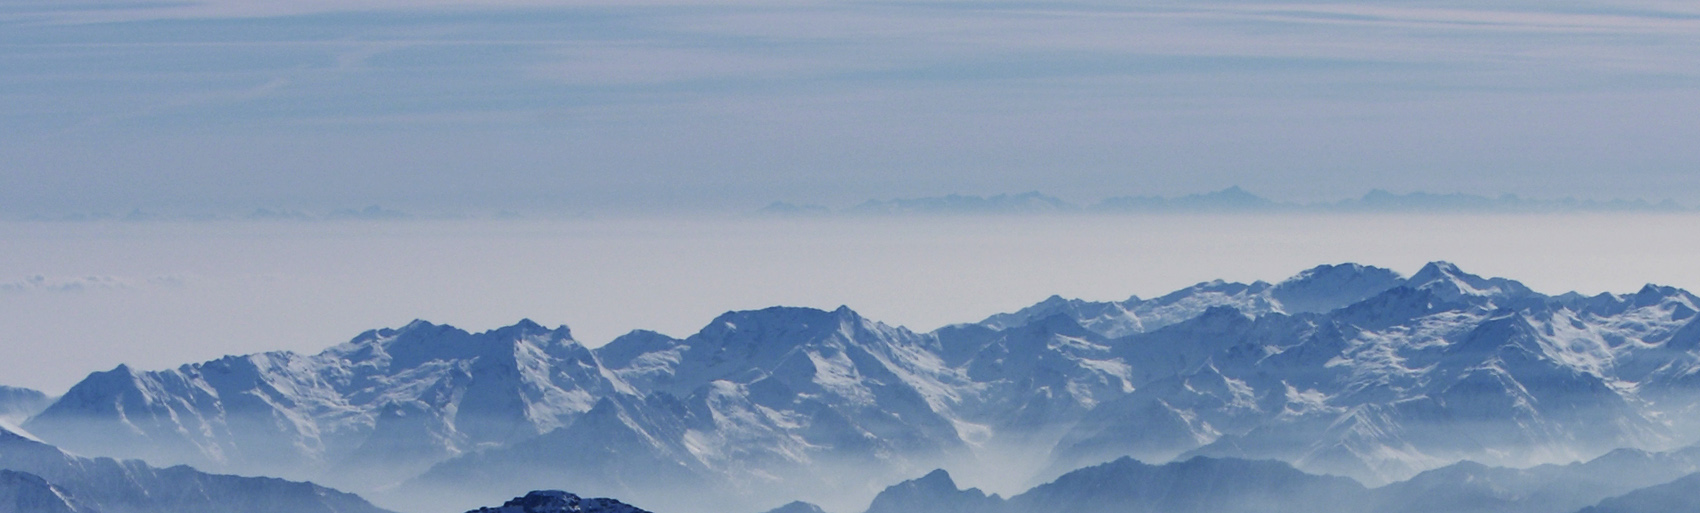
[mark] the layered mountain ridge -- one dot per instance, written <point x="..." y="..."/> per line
<point x="1623" y="480"/>
<point x="38" y="478"/>
<point x="1346" y="370"/>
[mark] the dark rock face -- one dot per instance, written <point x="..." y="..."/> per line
<point x="556" y="501"/>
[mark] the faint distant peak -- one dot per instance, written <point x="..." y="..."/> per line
<point x="1025" y="202"/>
<point x="267" y="214"/>
<point x="1031" y="202"/>
<point x="1233" y="199"/>
<point x="1230" y="199"/>
<point x="1379" y="200"/>
<point x="370" y="213"/>
<point x="784" y="209"/>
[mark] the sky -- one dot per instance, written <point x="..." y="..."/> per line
<point x="632" y="138"/>
<point x="467" y="107"/>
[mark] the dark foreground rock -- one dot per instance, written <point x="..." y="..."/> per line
<point x="556" y="501"/>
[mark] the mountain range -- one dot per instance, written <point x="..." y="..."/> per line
<point x="1624" y="480"/>
<point x="1229" y="200"/>
<point x="1345" y="378"/>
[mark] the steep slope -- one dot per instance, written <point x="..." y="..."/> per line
<point x="1029" y="381"/>
<point x="22" y="492"/>
<point x="388" y="403"/>
<point x="1325" y="288"/>
<point x="106" y="485"/>
<point x="1446" y="366"/>
<point x="756" y="407"/>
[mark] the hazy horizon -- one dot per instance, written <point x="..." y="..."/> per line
<point x="161" y="294"/>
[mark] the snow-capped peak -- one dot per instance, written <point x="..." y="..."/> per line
<point x="1450" y="283"/>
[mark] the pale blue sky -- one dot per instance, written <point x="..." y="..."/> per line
<point x="600" y="106"/>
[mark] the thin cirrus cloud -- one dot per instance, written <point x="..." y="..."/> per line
<point x="38" y="283"/>
<point x="647" y="64"/>
<point x="595" y="104"/>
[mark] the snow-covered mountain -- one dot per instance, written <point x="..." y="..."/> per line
<point x="1345" y="370"/>
<point x="1446" y="367"/>
<point x="760" y="404"/>
<point x="39" y="478"/>
<point x="381" y="407"/>
<point x="1320" y="289"/>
